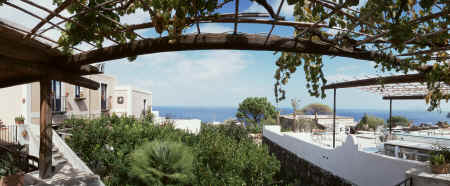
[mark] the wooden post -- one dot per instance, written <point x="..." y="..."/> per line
<point x="390" y="117"/>
<point x="334" y="119"/>
<point x="45" y="147"/>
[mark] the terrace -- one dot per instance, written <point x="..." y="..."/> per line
<point x="31" y="55"/>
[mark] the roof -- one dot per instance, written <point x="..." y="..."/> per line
<point x="408" y="86"/>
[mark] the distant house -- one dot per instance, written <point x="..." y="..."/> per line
<point x="131" y="101"/>
<point x="73" y="101"/>
<point x="323" y="121"/>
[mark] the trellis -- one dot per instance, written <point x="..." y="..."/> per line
<point x="27" y="55"/>
<point x="399" y="87"/>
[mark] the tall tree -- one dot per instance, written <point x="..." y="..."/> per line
<point x="318" y="108"/>
<point x="255" y="109"/>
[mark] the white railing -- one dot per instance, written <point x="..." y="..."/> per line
<point x="59" y="143"/>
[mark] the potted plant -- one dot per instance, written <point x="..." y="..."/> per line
<point x="438" y="164"/>
<point x="11" y="175"/>
<point x="19" y="120"/>
<point x="439" y="159"/>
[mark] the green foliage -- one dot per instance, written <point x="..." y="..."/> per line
<point x="162" y="163"/>
<point x="222" y="155"/>
<point x="437" y="159"/>
<point x="255" y="109"/>
<point x="399" y="27"/>
<point x="19" y="118"/>
<point x="222" y="160"/>
<point x="170" y="16"/>
<point x="369" y="122"/>
<point x="318" y="108"/>
<point x="105" y="143"/>
<point x="399" y="121"/>
<point x="437" y="152"/>
<point x="148" y="116"/>
<point x="8" y="165"/>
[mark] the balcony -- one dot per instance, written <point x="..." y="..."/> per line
<point x="59" y="105"/>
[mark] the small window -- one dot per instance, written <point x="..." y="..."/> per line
<point x="77" y="91"/>
<point x="120" y="100"/>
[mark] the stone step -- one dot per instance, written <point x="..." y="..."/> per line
<point x="60" y="161"/>
<point x="58" y="155"/>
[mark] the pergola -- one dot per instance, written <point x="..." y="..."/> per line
<point x="399" y="87"/>
<point x="28" y="55"/>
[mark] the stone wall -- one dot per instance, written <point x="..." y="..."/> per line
<point x="303" y="172"/>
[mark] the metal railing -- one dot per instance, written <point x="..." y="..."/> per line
<point x="8" y="135"/>
<point x="14" y="158"/>
<point x="59" y="104"/>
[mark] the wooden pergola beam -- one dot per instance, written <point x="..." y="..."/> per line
<point x="221" y="41"/>
<point x="49" y="17"/>
<point x="36" y="70"/>
<point x="408" y="78"/>
<point x="13" y="45"/>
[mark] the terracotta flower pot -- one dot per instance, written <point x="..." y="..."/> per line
<point x="20" y="122"/>
<point x="440" y="169"/>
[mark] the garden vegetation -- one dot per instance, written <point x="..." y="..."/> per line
<point x="128" y="151"/>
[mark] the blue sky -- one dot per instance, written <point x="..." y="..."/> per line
<point x="225" y="77"/>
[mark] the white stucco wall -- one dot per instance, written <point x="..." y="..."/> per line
<point x="11" y="104"/>
<point x="138" y="98"/>
<point x="190" y="125"/>
<point x="133" y="103"/>
<point x="346" y="161"/>
<point x="117" y="108"/>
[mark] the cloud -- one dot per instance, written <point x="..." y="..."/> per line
<point x="187" y="78"/>
<point x="286" y="10"/>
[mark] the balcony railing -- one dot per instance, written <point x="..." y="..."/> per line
<point x="8" y="135"/>
<point x="59" y="104"/>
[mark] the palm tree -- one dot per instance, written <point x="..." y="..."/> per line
<point x="163" y="163"/>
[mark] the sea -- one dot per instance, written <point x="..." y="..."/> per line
<point x="220" y="114"/>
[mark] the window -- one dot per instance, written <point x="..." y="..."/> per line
<point x="77" y="91"/>
<point x="56" y="96"/>
<point x="145" y="104"/>
<point x="104" y="96"/>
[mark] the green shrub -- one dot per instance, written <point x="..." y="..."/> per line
<point x="223" y="155"/>
<point x="369" y="122"/>
<point x="162" y="163"/>
<point x="399" y="121"/>
<point x="105" y="143"/>
<point x="222" y="160"/>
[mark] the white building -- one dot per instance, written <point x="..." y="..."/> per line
<point x="130" y="101"/>
<point x="73" y="101"/>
